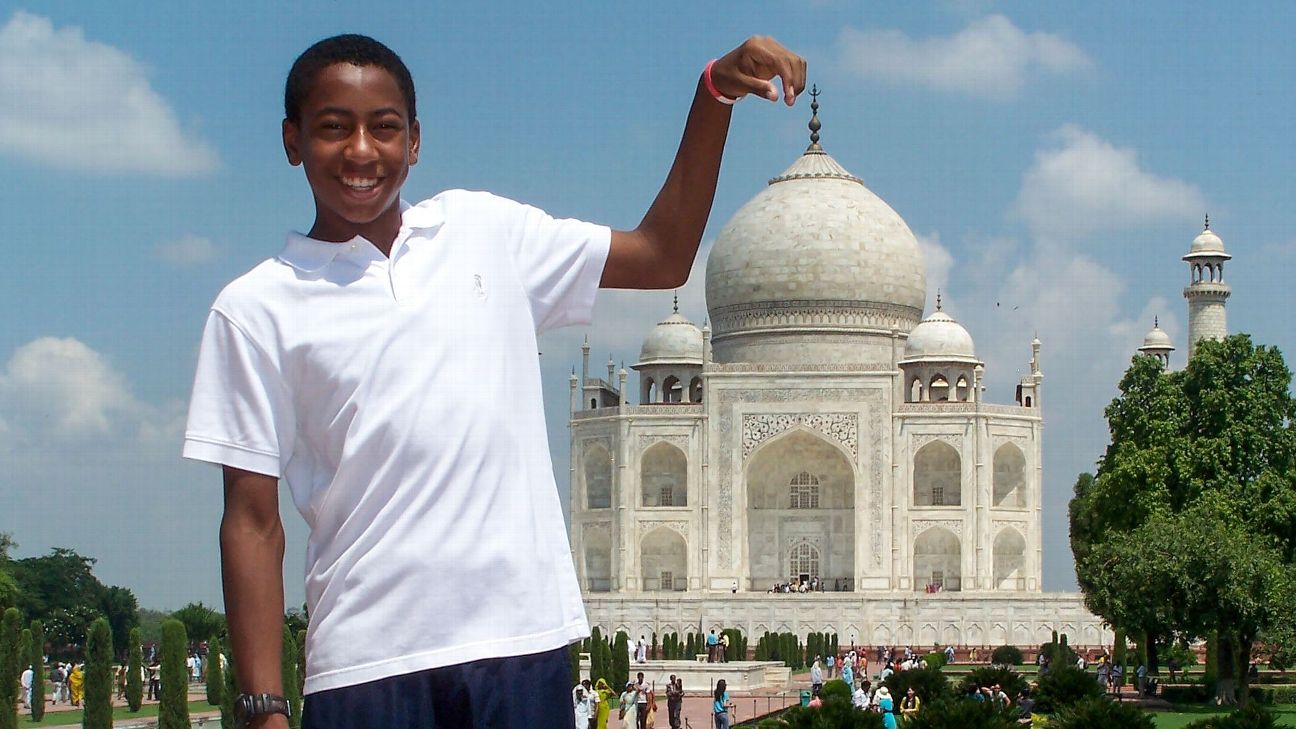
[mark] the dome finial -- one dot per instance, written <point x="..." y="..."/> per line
<point x="1207" y="221"/>
<point x="815" y="126"/>
<point x="938" y="299"/>
<point x="677" y="301"/>
<point x="1156" y="322"/>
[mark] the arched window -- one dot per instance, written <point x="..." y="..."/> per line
<point x="1009" y="476"/>
<point x="937" y="475"/>
<point x="961" y="389"/>
<point x="663" y="556"/>
<point x="1028" y="401"/>
<point x="939" y="389"/>
<point x="650" y="391"/>
<point x="803" y="562"/>
<point x="1009" y="561"/>
<point x="915" y="390"/>
<point x="695" y="390"/>
<point x="664" y="470"/>
<point x="805" y="491"/>
<point x="672" y="390"/>
<point x="937" y="561"/>
<point x="598" y="477"/>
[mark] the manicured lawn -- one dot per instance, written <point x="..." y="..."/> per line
<point x="73" y="717"/>
<point x="1285" y="713"/>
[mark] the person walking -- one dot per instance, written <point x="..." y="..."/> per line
<point x="720" y="705"/>
<point x="76" y="684"/>
<point x="582" y="708"/>
<point x="674" y="701"/>
<point x="816" y="678"/>
<point x="886" y="705"/>
<point x="629" y="707"/>
<point x="606" y="696"/>
<point x="643" y="699"/>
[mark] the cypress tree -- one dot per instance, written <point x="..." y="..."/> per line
<point x="24" y="651"/>
<point x="597" y="670"/>
<point x="135" y="671"/>
<point x="291" y="684"/>
<point x="228" y="694"/>
<point x="10" y="667"/>
<point x="653" y="649"/>
<point x="621" y="660"/>
<point x="173" y="704"/>
<point x="573" y="658"/>
<point x="98" y="676"/>
<point x="215" y="677"/>
<point x="38" y="670"/>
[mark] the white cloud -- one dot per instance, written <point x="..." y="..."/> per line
<point x="990" y="58"/>
<point x="938" y="261"/>
<point x="61" y="387"/>
<point x="1083" y="184"/>
<point x="76" y="104"/>
<point x="188" y="250"/>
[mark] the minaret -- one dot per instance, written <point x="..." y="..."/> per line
<point x="1206" y="291"/>
<point x="1157" y="344"/>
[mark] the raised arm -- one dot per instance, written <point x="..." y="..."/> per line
<point x="659" y="253"/>
<point x="252" y="551"/>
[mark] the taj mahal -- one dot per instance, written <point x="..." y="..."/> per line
<point x="820" y="429"/>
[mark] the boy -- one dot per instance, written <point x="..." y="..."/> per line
<point x="384" y="366"/>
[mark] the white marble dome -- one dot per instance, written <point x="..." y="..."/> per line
<point x="675" y="340"/>
<point x="815" y="267"/>
<point x="939" y="338"/>
<point x="1157" y="339"/>
<point x="1207" y="242"/>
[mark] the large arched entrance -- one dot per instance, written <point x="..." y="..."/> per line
<point x="800" y="512"/>
<point x="937" y="561"/>
<point x="664" y="472"/>
<point x="663" y="561"/>
<point x="1009" y="560"/>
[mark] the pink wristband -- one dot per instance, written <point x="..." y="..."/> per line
<point x="711" y="87"/>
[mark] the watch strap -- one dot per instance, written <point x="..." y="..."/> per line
<point x="250" y="705"/>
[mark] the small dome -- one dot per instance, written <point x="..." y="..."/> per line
<point x="1207" y="245"/>
<point x="675" y="340"/>
<point x="939" y="338"/>
<point x="1157" y="338"/>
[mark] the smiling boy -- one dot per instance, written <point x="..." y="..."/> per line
<point x="383" y="365"/>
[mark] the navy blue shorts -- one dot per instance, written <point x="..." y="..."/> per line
<point x="532" y="691"/>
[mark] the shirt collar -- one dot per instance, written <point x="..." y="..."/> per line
<point x="309" y="255"/>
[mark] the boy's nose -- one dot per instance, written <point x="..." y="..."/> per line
<point x="360" y="147"/>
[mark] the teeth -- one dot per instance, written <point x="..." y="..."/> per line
<point x="360" y="183"/>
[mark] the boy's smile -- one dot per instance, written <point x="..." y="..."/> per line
<point x="356" y="144"/>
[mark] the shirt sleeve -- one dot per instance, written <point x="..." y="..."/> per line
<point x="561" y="263"/>
<point x="241" y="412"/>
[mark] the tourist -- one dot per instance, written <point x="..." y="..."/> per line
<point x="711" y="643"/>
<point x="1172" y="666"/>
<point x="25" y="683"/>
<point x="582" y="708"/>
<point x="720" y="705"/>
<point x="643" y="699"/>
<point x="998" y="695"/>
<point x="860" y="697"/>
<point x="1140" y="676"/>
<point x="1104" y="675"/>
<point x="829" y="663"/>
<point x="886" y="706"/>
<point x="314" y="370"/>
<point x="674" y="700"/>
<point x="76" y="684"/>
<point x="1025" y="707"/>
<point x="154" y="682"/>
<point x="1080" y="662"/>
<point x="816" y="678"/>
<point x="723" y="648"/>
<point x="605" y="698"/>
<point x="629" y="707"/>
<point x="910" y="704"/>
<point x="1118" y="679"/>
<point x="949" y="655"/>
<point x="58" y="677"/>
<point x="848" y="674"/>
<point x="641" y="651"/>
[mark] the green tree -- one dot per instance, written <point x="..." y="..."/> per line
<point x="10" y="666"/>
<point x="199" y="620"/>
<point x="215" y="678"/>
<point x="173" y="705"/>
<point x="1216" y="441"/>
<point x="228" y="693"/>
<point x="98" y="676"/>
<point x="38" y="670"/>
<point x="135" y="671"/>
<point x="122" y="610"/>
<point x="291" y="684"/>
<point x="620" y="660"/>
<point x="596" y="655"/>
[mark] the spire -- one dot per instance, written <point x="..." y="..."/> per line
<point x="814" y="125"/>
<point x="1207" y="221"/>
<point x="676" y="301"/>
<point x="938" y="299"/>
<point x="1156" y="321"/>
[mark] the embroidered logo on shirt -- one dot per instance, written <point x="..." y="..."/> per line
<point x="479" y="286"/>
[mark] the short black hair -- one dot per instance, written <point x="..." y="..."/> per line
<point x="357" y="50"/>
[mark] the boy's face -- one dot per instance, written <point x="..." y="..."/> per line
<point x="356" y="143"/>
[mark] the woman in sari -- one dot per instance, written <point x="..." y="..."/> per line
<point x="76" y="684"/>
<point x="629" y="707"/>
<point x="605" y="696"/>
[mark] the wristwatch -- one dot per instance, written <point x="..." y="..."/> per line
<point x="247" y="706"/>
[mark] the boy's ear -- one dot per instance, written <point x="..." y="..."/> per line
<point x="290" y="143"/>
<point x="415" y="141"/>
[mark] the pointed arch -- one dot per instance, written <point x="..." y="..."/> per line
<point x="1009" y="476"/>
<point x="937" y="475"/>
<point x="672" y="390"/>
<point x="1009" y="560"/>
<point x="939" y="388"/>
<point x="916" y="390"/>
<point x="961" y="389"/>
<point x="663" y="560"/>
<point x="695" y="390"/>
<point x="663" y="472"/>
<point x="937" y="561"/>
<point x="597" y="467"/>
<point x="598" y="560"/>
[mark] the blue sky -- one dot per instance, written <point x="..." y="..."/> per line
<point x="1054" y="159"/>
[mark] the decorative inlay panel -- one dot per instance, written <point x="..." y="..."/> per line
<point x="919" y="440"/>
<point x="727" y="321"/>
<point x="648" y="441"/>
<point x="760" y="427"/>
<point x="883" y="367"/>
<point x="730" y="450"/>
<point x="921" y="525"/>
<point x="678" y="526"/>
<point x="998" y="525"/>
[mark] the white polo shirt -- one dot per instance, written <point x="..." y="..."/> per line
<point x="400" y="401"/>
